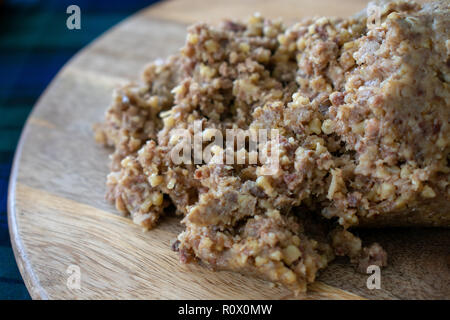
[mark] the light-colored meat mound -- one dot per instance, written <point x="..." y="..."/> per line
<point x="363" y="116"/>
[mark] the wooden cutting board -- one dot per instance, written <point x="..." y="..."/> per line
<point x="58" y="216"/>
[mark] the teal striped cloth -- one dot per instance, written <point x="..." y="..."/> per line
<point x="34" y="44"/>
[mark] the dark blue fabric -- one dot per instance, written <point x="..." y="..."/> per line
<point x="34" y="44"/>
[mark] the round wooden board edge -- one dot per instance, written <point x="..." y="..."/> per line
<point x="29" y="277"/>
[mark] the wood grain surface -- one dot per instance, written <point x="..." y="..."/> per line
<point x="58" y="216"/>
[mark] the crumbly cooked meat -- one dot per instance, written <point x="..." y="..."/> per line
<point x="273" y="248"/>
<point x="133" y="117"/>
<point x="374" y="255"/>
<point x="347" y="244"/>
<point x="363" y="117"/>
<point x="394" y="116"/>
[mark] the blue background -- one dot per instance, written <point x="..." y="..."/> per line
<point x="34" y="44"/>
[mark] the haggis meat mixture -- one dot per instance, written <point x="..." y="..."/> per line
<point x="362" y="111"/>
